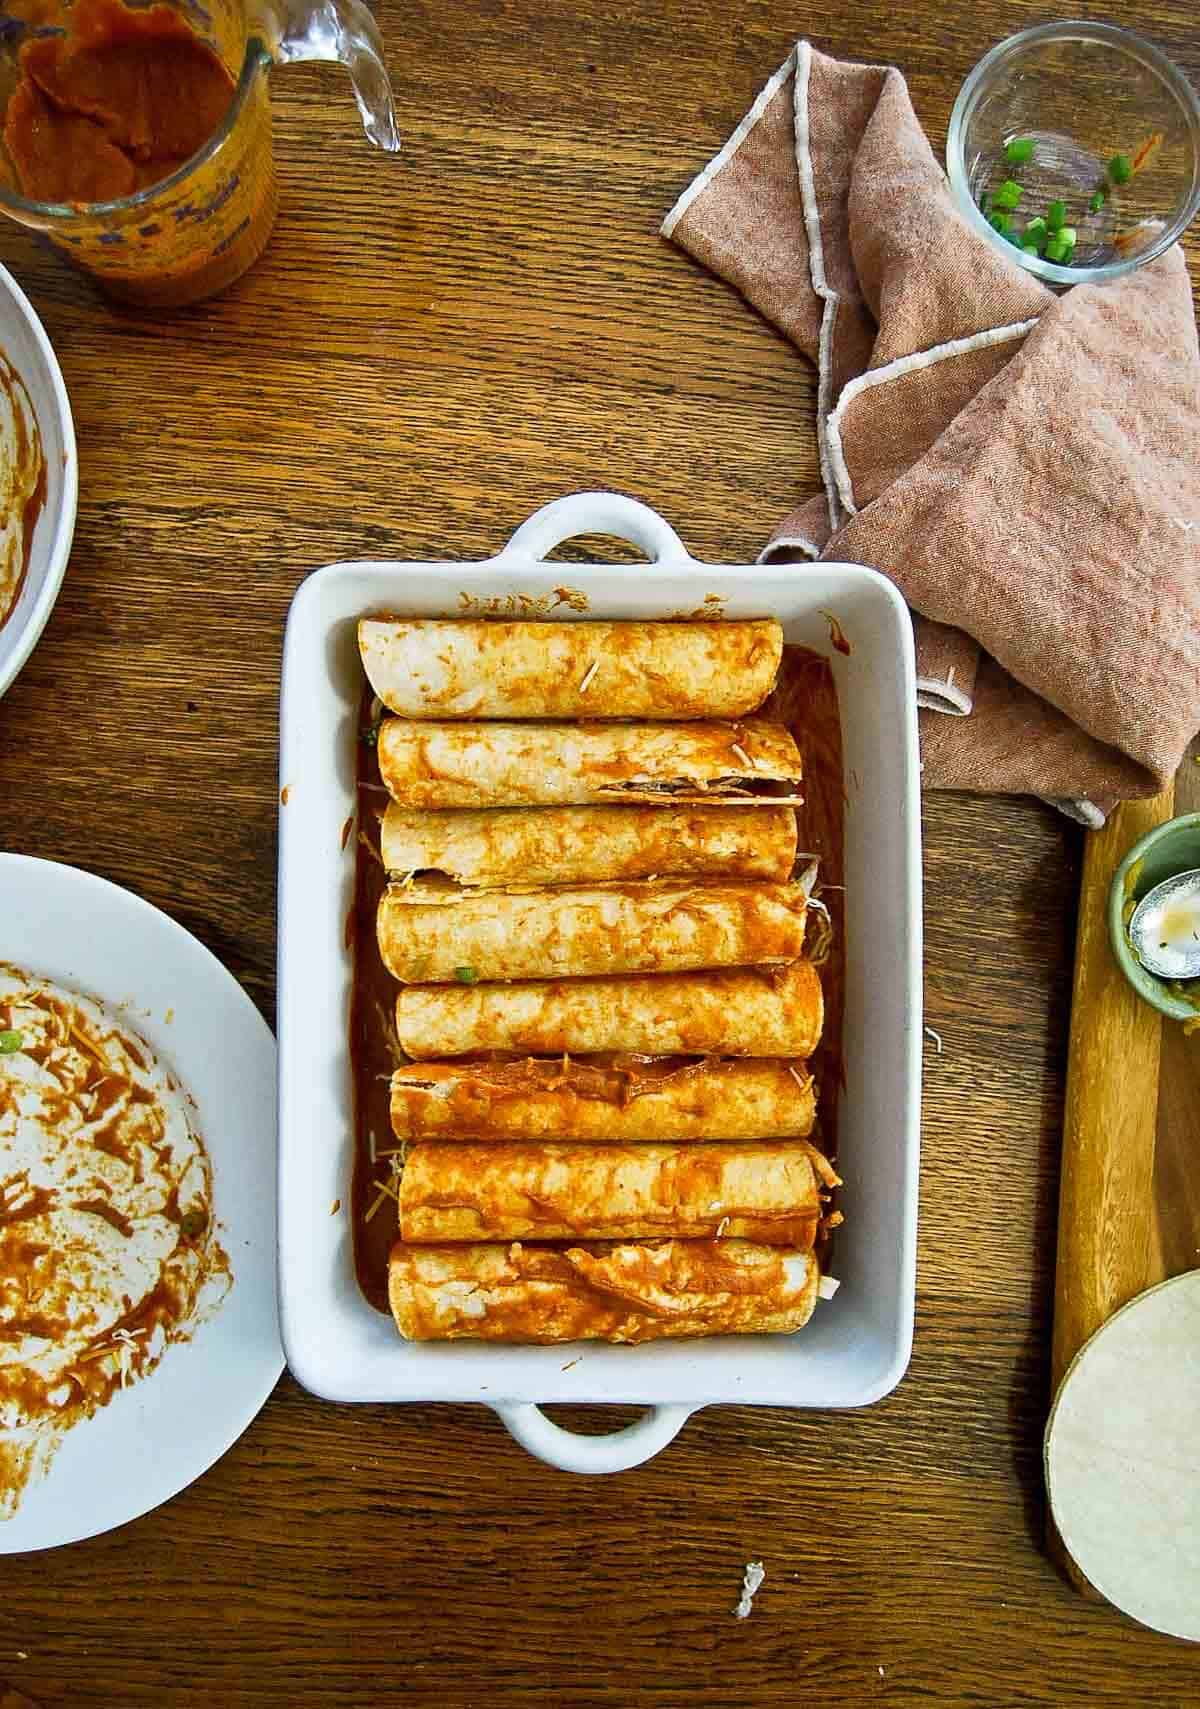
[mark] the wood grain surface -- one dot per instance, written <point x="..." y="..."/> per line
<point x="432" y="346"/>
<point x="1129" y="1208"/>
<point x="1105" y="1207"/>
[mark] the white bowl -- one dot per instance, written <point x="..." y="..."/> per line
<point x="857" y="1347"/>
<point x="24" y="343"/>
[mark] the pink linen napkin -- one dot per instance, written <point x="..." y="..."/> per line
<point x="1024" y="466"/>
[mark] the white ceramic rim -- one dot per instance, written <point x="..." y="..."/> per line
<point x="29" y="635"/>
<point x="583" y="514"/>
<point x="1068" y="28"/>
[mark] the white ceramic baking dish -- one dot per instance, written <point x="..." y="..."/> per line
<point x="857" y="1346"/>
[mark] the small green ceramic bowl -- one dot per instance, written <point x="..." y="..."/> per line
<point x="1161" y="853"/>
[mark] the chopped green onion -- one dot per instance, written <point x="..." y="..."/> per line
<point x="1018" y="150"/>
<point x="370" y="736"/>
<point x="1120" y="169"/>
<point x="1007" y="196"/>
<point x="10" y="1041"/>
<point x="1056" y="216"/>
<point x="1014" y="237"/>
<point x="193" y="1224"/>
<point x="1035" y="232"/>
<point x="1097" y="202"/>
<point x="983" y="204"/>
<point x="1030" y="249"/>
<point x="1061" y="246"/>
<point x="1000" y="223"/>
<point x="466" y="976"/>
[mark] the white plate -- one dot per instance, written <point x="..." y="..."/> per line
<point x="857" y="1346"/>
<point x="24" y="343"/>
<point x="159" y="1435"/>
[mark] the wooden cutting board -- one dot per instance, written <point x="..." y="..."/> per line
<point x="1129" y="1200"/>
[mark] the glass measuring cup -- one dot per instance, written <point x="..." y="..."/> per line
<point x="209" y="218"/>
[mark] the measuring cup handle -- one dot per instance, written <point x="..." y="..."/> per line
<point x="343" y="31"/>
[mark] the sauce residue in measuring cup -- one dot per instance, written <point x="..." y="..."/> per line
<point x="114" y="104"/>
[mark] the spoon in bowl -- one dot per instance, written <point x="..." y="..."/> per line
<point x="1164" y="928"/>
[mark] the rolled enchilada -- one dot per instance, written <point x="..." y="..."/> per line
<point x="469" y="668"/>
<point x="602" y="1292"/>
<point x="770" y="1193"/>
<point x="567" y="845"/>
<point x="434" y="934"/>
<point x="622" y="1100"/>
<point x="731" y="1012"/>
<point x="434" y="765"/>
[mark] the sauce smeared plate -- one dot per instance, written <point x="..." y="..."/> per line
<point x="138" y="1330"/>
<point x="108" y="1249"/>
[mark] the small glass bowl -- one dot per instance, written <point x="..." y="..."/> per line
<point x="1082" y="94"/>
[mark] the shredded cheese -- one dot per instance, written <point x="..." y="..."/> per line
<point x="85" y="1044"/>
<point x="588" y="675"/>
<point x="124" y="1351"/>
<point x="827" y="1287"/>
<point x="800" y="1081"/>
<point x="936" y="1037"/>
<point x="742" y="755"/>
<point x="370" y="847"/>
<point x="384" y="1190"/>
<point x="752" y="1578"/>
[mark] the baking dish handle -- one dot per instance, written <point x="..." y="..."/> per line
<point x="598" y="513"/>
<point x="617" y="1452"/>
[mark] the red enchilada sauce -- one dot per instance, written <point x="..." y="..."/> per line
<point x="374" y="1053"/>
<point x="805" y="699"/>
<point x="114" y="105"/>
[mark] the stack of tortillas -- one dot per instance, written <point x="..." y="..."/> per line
<point x="1123" y="1458"/>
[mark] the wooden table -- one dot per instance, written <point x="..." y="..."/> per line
<point x="433" y="346"/>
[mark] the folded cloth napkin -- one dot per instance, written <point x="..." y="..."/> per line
<point x="1022" y="465"/>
